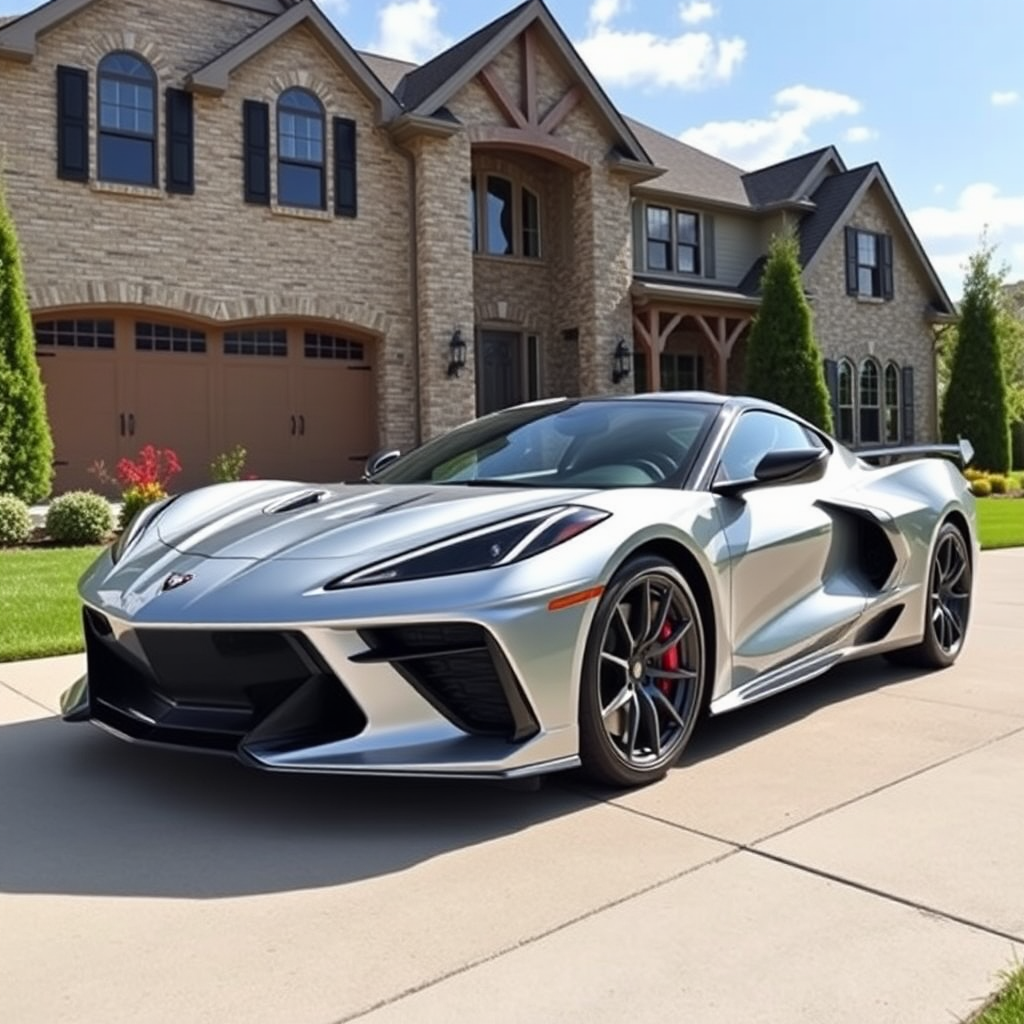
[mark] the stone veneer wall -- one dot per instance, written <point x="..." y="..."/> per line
<point x="856" y="328"/>
<point x="210" y="254"/>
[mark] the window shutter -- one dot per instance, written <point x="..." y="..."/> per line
<point x="72" y="124"/>
<point x="831" y="369"/>
<point x="885" y="247"/>
<point x="344" y="167"/>
<point x="709" y="245"/>
<point x="851" y="261"/>
<point x="639" y="244"/>
<point x="908" y="404"/>
<point x="180" y="146"/>
<point x="256" y="142"/>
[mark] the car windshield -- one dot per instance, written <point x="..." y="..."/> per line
<point x="566" y="443"/>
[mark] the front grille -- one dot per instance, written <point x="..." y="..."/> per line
<point x="460" y="670"/>
<point x="212" y="688"/>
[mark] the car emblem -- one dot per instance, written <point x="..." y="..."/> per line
<point x="176" y="579"/>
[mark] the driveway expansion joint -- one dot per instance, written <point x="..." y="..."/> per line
<point x="29" y="698"/>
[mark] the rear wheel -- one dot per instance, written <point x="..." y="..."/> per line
<point x="643" y="675"/>
<point x="948" y="605"/>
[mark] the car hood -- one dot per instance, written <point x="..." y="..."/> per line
<point x="272" y="519"/>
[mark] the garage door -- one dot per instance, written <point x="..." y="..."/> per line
<point x="301" y="401"/>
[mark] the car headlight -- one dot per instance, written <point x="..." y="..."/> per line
<point x="486" y="548"/>
<point x="139" y="524"/>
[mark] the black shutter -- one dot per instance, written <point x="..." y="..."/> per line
<point x="72" y="124"/>
<point x="851" y="261"/>
<point x="885" y="247"/>
<point x="344" y="167"/>
<point x="180" y="146"/>
<point x="256" y="142"/>
<point x="638" y="236"/>
<point x="831" y="369"/>
<point x="908" y="404"/>
<point x="709" y="245"/>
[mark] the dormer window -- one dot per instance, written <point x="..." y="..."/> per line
<point x="127" y="120"/>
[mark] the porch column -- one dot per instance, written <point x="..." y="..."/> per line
<point x="645" y="327"/>
<point x="722" y="340"/>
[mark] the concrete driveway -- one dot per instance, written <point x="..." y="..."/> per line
<point x="852" y="851"/>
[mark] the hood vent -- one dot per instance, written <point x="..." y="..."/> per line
<point x="294" y="502"/>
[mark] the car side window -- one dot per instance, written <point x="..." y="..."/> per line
<point x="755" y="434"/>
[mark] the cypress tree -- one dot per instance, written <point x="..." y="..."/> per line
<point x="26" y="462"/>
<point x="783" y="359"/>
<point x="975" y="403"/>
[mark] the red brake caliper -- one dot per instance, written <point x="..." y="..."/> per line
<point x="669" y="660"/>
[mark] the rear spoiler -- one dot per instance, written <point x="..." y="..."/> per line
<point x="962" y="452"/>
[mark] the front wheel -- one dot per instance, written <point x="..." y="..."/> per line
<point x="643" y="675"/>
<point x="948" y="606"/>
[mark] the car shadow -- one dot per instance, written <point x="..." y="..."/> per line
<point x="82" y="813"/>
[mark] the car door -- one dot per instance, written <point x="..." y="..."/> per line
<point x="788" y="598"/>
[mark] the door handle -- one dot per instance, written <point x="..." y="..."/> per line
<point x="131" y="424"/>
<point x="302" y="425"/>
<point x="293" y="425"/>
<point x="121" y="418"/>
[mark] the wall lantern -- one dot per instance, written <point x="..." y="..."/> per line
<point x="456" y="353"/>
<point x="621" y="361"/>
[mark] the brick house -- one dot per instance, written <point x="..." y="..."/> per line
<point x="238" y="229"/>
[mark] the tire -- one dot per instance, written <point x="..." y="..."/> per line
<point x="643" y="675"/>
<point x="948" y="606"/>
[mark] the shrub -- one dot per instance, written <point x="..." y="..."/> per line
<point x="136" y="498"/>
<point x="15" y="521"/>
<point x="999" y="483"/>
<point x="79" y="517"/>
<point x="982" y="487"/>
<point x="145" y="480"/>
<point x="228" y="465"/>
<point x="973" y="474"/>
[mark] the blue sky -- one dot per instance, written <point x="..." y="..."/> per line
<point x="934" y="91"/>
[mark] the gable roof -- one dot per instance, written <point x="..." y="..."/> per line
<point x="389" y="70"/>
<point x="213" y="77"/>
<point x="429" y="87"/>
<point x="18" y="35"/>
<point x="789" y="180"/>
<point x="689" y="171"/>
<point x="837" y="198"/>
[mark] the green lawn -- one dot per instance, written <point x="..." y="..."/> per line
<point x="1001" y="522"/>
<point x="39" y="610"/>
<point x="1007" y="1007"/>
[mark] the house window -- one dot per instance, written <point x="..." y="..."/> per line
<point x="496" y="205"/>
<point x="300" y="150"/>
<point x="844" y="402"/>
<point x="681" y="372"/>
<point x="892" y="404"/>
<point x="870" y="411"/>
<point x="165" y="338"/>
<point x="673" y="240"/>
<point x="868" y="264"/>
<point x="256" y="343"/>
<point x="127" y="120"/>
<point x="75" y="334"/>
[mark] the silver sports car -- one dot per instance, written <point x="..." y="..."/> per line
<point x="569" y="582"/>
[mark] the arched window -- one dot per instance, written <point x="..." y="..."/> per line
<point x="870" y="410"/>
<point x="893" y="413"/>
<point x="127" y="121"/>
<point x="844" y="401"/>
<point x="300" y="150"/>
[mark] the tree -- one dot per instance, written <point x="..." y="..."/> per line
<point x="783" y="359"/>
<point x="974" y="405"/>
<point x="26" y="463"/>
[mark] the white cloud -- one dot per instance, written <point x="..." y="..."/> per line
<point x="626" y="57"/>
<point x="757" y="142"/>
<point x="334" y="8"/>
<point x="977" y="205"/>
<point x="695" y="11"/>
<point x="1004" y="99"/>
<point x="408" y="30"/>
<point x="859" y="133"/>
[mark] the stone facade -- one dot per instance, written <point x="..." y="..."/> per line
<point x="854" y="328"/>
<point x="402" y="275"/>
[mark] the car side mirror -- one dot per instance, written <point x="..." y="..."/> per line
<point x="379" y="459"/>
<point x="784" y="465"/>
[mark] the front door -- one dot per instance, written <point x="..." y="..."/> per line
<point x="499" y="371"/>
